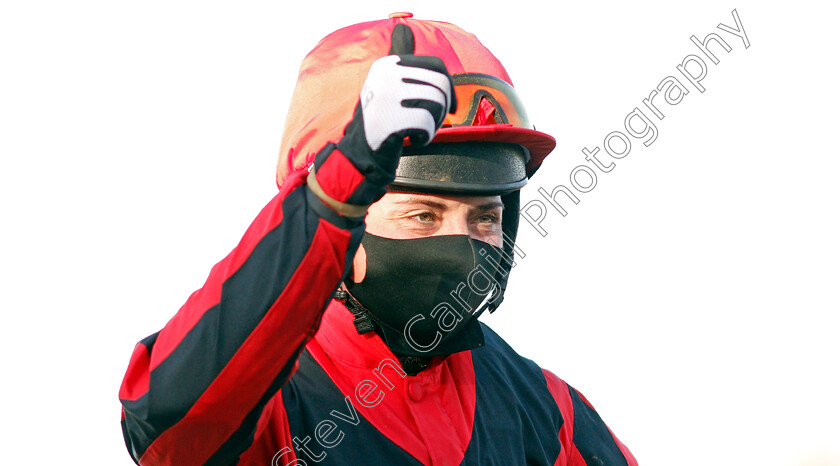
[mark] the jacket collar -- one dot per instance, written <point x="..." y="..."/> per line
<point x="339" y="339"/>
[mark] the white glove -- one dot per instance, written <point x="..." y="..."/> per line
<point x="405" y="95"/>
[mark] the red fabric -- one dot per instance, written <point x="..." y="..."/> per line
<point x="338" y="177"/>
<point x="539" y="144"/>
<point x="485" y="113"/>
<point x="332" y="74"/>
<point x="209" y="294"/>
<point x="560" y="392"/>
<point x="223" y="406"/>
<point x="575" y="458"/>
<point x="631" y="460"/>
<point x="441" y="399"/>
<point x="272" y="434"/>
<point x="136" y="381"/>
<point x="572" y="457"/>
<point x="439" y="402"/>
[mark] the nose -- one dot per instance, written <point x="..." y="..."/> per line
<point x="455" y="225"/>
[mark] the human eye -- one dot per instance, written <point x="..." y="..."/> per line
<point x="489" y="219"/>
<point x="424" y="217"/>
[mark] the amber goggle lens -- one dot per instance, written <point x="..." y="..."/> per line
<point x="470" y="88"/>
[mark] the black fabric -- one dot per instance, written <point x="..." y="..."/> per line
<point x="204" y="351"/>
<point x="139" y="429"/>
<point x="517" y="421"/>
<point x="243" y="437"/>
<point x="516" y="418"/>
<point x="149" y="341"/>
<point x="510" y="226"/>
<point x="591" y="436"/>
<point x="424" y="293"/>
<point x="413" y="365"/>
<point x="310" y="397"/>
<point x="137" y="414"/>
<point x="128" y="444"/>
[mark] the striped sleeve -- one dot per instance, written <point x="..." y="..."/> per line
<point x="586" y="439"/>
<point x="195" y="391"/>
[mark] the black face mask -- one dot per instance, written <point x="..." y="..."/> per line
<point x="426" y="294"/>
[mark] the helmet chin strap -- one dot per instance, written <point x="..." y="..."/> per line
<point x="412" y="365"/>
<point x="361" y="318"/>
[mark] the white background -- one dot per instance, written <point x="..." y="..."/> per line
<point x="692" y="295"/>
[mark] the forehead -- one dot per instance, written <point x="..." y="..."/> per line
<point x="397" y="199"/>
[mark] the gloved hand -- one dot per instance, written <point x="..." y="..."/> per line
<point x="404" y="95"/>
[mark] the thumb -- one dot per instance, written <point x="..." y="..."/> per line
<point x="402" y="43"/>
<point x="402" y="40"/>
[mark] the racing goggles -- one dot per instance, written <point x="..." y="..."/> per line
<point x="472" y="88"/>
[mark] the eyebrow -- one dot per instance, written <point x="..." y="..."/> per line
<point x="490" y="205"/>
<point x="439" y="205"/>
<point x="421" y="200"/>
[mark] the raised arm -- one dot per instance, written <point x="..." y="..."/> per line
<point x="194" y="391"/>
